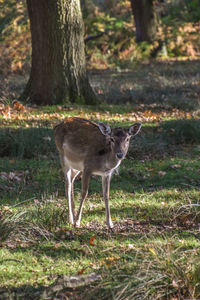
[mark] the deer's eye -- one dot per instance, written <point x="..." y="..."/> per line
<point x="127" y="139"/>
<point x="112" y="140"/>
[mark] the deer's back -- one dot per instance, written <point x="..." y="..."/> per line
<point x="78" y="136"/>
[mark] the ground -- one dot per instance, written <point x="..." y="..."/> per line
<point x="153" y="250"/>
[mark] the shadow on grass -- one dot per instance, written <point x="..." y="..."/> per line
<point x="29" y="292"/>
<point x="163" y="84"/>
<point x="166" y="84"/>
<point x="23" y="292"/>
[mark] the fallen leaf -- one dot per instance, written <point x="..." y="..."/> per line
<point x="92" y="239"/>
<point x="11" y="245"/>
<point x="175" y="166"/>
<point x="18" y="106"/>
<point x="81" y="271"/>
<point x="24" y="245"/>
<point x="152" y="251"/>
<point x="11" y="175"/>
<point x="161" y="173"/>
<point x="175" y="284"/>
<point x="7" y="208"/>
<point x="112" y="258"/>
<point x="56" y="245"/>
<point x="34" y="260"/>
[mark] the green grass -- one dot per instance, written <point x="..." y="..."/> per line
<point x="153" y="251"/>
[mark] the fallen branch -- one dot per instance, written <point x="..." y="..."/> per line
<point x="65" y="281"/>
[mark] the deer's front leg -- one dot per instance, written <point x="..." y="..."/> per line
<point x="106" y="191"/>
<point x="84" y="191"/>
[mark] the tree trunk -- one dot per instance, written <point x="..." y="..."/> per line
<point x="58" y="70"/>
<point x="79" y="87"/>
<point x="145" y="20"/>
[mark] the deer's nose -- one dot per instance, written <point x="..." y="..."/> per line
<point x="120" y="155"/>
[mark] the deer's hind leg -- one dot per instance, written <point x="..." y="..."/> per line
<point x="69" y="179"/>
<point x="74" y="174"/>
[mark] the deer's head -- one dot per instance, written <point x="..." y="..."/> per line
<point x="119" y="138"/>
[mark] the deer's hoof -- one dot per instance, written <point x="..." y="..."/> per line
<point x="71" y="221"/>
<point x="77" y="224"/>
<point x="110" y="225"/>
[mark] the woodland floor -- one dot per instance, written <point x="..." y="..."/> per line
<point x="153" y="251"/>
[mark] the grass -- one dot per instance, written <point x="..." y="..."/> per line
<point x="153" y="251"/>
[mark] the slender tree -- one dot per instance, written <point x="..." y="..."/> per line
<point x="146" y="20"/>
<point x="58" y="70"/>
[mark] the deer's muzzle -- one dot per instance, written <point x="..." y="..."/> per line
<point x="120" y="155"/>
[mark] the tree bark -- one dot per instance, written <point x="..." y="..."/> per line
<point x="146" y="21"/>
<point x="58" y="70"/>
<point x="79" y="87"/>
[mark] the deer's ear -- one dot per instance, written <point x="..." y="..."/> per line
<point x="105" y="129"/>
<point x="134" y="129"/>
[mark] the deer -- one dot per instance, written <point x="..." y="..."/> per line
<point x="90" y="148"/>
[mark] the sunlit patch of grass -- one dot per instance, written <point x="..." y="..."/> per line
<point x="154" y="269"/>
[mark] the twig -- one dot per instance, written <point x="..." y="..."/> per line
<point x="10" y="259"/>
<point x="22" y="202"/>
<point x="107" y="249"/>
